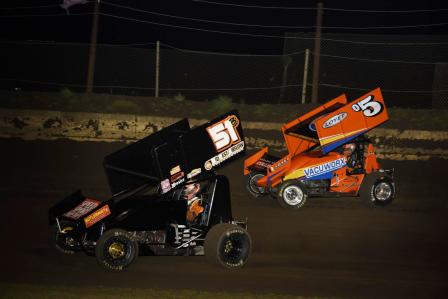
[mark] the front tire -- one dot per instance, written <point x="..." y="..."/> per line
<point x="63" y="240"/>
<point x="116" y="250"/>
<point x="378" y="189"/>
<point x="292" y="195"/>
<point x="228" y="245"/>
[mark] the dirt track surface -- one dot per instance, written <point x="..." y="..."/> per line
<point x="331" y="247"/>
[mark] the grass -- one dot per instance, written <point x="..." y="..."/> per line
<point x="221" y="104"/>
<point x="178" y="97"/>
<point x="28" y="291"/>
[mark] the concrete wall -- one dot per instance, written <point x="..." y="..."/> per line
<point x="39" y="124"/>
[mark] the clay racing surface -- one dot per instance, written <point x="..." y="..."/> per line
<point x="331" y="247"/>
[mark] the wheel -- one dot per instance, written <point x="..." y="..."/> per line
<point x="228" y="245"/>
<point x="292" y="195"/>
<point x="116" y="250"/>
<point x="63" y="240"/>
<point x="252" y="187"/>
<point x="378" y="188"/>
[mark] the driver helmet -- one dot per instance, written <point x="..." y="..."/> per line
<point x="190" y="190"/>
<point x="349" y="148"/>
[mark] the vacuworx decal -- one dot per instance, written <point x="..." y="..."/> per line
<point x="320" y="169"/>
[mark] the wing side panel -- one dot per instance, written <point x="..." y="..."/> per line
<point x="351" y="120"/>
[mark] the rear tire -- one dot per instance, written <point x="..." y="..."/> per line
<point x="227" y="245"/>
<point x="378" y="189"/>
<point x="252" y="187"/>
<point x="116" y="250"/>
<point x="292" y="195"/>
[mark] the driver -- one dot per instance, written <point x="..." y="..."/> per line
<point x="190" y="194"/>
<point x="348" y="150"/>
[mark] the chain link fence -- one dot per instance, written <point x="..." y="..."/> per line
<point x="407" y="68"/>
<point x="411" y="70"/>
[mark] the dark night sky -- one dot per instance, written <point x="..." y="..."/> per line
<point x="74" y="28"/>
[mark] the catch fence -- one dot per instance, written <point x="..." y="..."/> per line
<point x="411" y="70"/>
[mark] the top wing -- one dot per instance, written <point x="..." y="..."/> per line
<point x="173" y="155"/>
<point x="351" y="120"/>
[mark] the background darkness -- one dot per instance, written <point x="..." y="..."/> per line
<point x="50" y="52"/>
<point x="75" y="28"/>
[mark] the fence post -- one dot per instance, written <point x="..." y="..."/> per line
<point x="316" y="62"/>
<point x="92" y="51"/>
<point x="157" y="68"/>
<point x="305" y="75"/>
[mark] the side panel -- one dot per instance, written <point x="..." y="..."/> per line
<point x="312" y="168"/>
<point x="352" y="120"/>
<point x="146" y="213"/>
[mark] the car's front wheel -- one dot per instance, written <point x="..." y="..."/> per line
<point x="228" y="245"/>
<point x="62" y="238"/>
<point x="252" y="187"/>
<point x="116" y="250"/>
<point x="292" y="195"/>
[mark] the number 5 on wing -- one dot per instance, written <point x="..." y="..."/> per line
<point x="368" y="106"/>
<point x="224" y="133"/>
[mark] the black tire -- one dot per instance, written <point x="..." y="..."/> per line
<point x="292" y="195"/>
<point x="378" y="189"/>
<point x="228" y="245"/>
<point x="63" y="241"/>
<point x="116" y="250"/>
<point x="253" y="189"/>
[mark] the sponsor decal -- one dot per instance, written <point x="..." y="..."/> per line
<point x="175" y="170"/>
<point x="280" y="164"/>
<point x="177" y="176"/>
<point x="224" y="133"/>
<point x="225" y="155"/>
<point x="334" y="120"/>
<point x="82" y="209"/>
<point x="96" y="216"/>
<point x="208" y="165"/>
<point x="312" y="126"/>
<point x="194" y="173"/>
<point x="177" y="183"/>
<point x="165" y="185"/>
<point x="317" y="170"/>
<point x="263" y="163"/>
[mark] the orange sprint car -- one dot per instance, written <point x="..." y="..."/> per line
<point x="328" y="156"/>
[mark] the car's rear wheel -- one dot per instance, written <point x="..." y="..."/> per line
<point x="252" y="187"/>
<point x="62" y="239"/>
<point x="292" y="195"/>
<point x="228" y="245"/>
<point x="116" y="250"/>
<point x="378" y="189"/>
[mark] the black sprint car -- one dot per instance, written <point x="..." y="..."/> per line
<point x="167" y="200"/>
